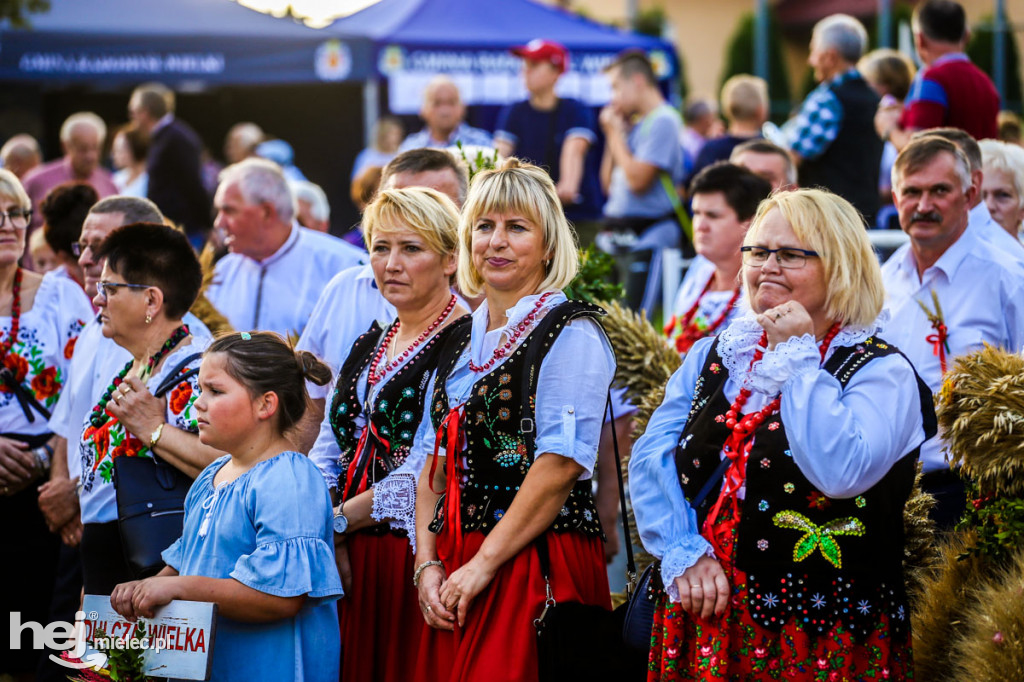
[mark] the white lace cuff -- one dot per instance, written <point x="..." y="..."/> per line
<point x="394" y="500"/>
<point x="788" y="359"/>
<point x="330" y="479"/>
<point x="680" y="557"/>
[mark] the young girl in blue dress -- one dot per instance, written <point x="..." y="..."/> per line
<point x="257" y="537"/>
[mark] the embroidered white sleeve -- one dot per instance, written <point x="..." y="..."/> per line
<point x="394" y="499"/>
<point x="788" y="359"/>
<point x="680" y="557"/>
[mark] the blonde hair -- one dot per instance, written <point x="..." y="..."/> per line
<point x="745" y="98"/>
<point x="10" y="188"/>
<point x="1008" y="158"/>
<point x="526" y="190"/>
<point x="831" y="226"/>
<point x="427" y="212"/>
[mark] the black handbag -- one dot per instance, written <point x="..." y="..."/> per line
<point x="586" y="642"/>
<point x="151" y="497"/>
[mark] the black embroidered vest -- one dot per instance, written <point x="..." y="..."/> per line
<point x="499" y="429"/>
<point x="396" y="410"/>
<point x="817" y="559"/>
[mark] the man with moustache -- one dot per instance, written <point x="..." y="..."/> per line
<point x="979" y="288"/>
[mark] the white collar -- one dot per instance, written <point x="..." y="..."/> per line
<point x="515" y="315"/>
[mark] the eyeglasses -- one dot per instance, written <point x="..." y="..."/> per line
<point x="786" y="257"/>
<point x="78" y="248"/>
<point x="19" y="218"/>
<point x="106" y="288"/>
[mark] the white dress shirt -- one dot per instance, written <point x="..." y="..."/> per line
<point x="345" y="310"/>
<point x="981" y="290"/>
<point x="279" y="293"/>
<point x="980" y="220"/>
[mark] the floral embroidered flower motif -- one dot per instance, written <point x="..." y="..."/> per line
<point x="498" y="514"/>
<point x="564" y="511"/>
<point x="471" y="509"/>
<point x="762" y="505"/>
<point x="860" y="501"/>
<point x="774" y="426"/>
<point x="505" y="394"/>
<point x="504" y="379"/>
<point x="408" y="392"/>
<point x="588" y="515"/>
<point x="715" y="368"/>
<point x="504" y="414"/>
<point x="789" y="487"/>
<point x="817" y="500"/>
<point x="762" y="545"/>
<point x="686" y="441"/>
<point x="696" y="463"/>
<point x="69" y="347"/>
<point x="766" y="463"/>
<point x="684" y="478"/>
<point x="720" y="418"/>
<point x="863" y="606"/>
<point x="180" y="397"/>
<point x="770" y="600"/>
<point x="818" y="601"/>
<point x="815" y="536"/>
<point x="46" y="384"/>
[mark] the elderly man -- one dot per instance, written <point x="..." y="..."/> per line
<point x="276" y="269"/>
<point x="949" y="291"/>
<point x="980" y="221"/>
<point x="770" y="161"/>
<point x="20" y="154"/>
<point x="81" y="138"/>
<point x="241" y="141"/>
<point x="351" y="301"/>
<point x="949" y="90"/>
<point x="175" y="174"/>
<point x="443" y="113"/>
<point x="312" y="209"/>
<point x="833" y="136"/>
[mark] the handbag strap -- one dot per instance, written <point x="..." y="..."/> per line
<point x="623" y="510"/>
<point x="173" y="378"/>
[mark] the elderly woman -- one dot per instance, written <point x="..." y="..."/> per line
<point x="150" y="278"/>
<point x="375" y="418"/>
<point x="1002" y="186"/>
<point x="519" y="402"/>
<point x="804" y="426"/>
<point x="40" y="318"/>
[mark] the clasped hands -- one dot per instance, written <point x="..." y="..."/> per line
<point x="445" y="601"/>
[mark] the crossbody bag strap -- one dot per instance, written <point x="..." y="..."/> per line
<point x="173" y="378"/>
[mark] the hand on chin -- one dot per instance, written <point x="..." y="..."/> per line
<point x="785" y="321"/>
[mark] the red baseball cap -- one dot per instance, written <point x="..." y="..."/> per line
<point x="545" y="51"/>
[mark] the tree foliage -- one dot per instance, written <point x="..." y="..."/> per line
<point x="740" y="59"/>
<point x="982" y="53"/>
<point x="16" y="12"/>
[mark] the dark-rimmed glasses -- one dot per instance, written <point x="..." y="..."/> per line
<point x="77" y="248"/>
<point x="786" y="257"/>
<point x="19" y="218"/>
<point x="105" y="288"/>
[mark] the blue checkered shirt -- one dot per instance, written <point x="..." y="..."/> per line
<point x="817" y="124"/>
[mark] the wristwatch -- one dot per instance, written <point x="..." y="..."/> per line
<point x="340" y="520"/>
<point x="154" y="438"/>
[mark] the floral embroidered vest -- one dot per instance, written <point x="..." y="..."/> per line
<point x="396" y="411"/>
<point x="498" y="429"/>
<point x="820" y="560"/>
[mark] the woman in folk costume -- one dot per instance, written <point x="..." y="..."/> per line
<point x="518" y="402"/>
<point x="366" y="438"/>
<point x="804" y="426"/>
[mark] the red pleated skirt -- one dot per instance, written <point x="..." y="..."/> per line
<point x="498" y="642"/>
<point x="380" y="617"/>
<point x="735" y="647"/>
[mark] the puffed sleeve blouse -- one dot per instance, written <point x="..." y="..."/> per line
<point x="843" y="440"/>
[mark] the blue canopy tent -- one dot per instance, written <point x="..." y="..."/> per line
<point x="413" y="40"/>
<point x="105" y="43"/>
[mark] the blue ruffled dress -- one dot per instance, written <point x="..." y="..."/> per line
<point x="269" y="529"/>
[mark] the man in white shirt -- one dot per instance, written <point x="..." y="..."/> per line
<point x="276" y="269"/>
<point x="979" y="218"/>
<point x="979" y="288"/>
<point x="351" y="301"/>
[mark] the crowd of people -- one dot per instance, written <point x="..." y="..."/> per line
<point x="396" y="450"/>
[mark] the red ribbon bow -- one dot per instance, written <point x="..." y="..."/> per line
<point x="938" y="341"/>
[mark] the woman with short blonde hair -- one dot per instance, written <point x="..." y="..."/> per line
<point x="768" y="481"/>
<point x="365" y="449"/>
<point x="1002" y="186"/>
<point x="519" y="400"/>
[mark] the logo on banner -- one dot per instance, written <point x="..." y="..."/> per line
<point x="333" y="61"/>
<point x="391" y="60"/>
<point x="661" y="64"/>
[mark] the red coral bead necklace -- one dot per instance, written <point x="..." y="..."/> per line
<point x="375" y="375"/>
<point x="520" y="329"/>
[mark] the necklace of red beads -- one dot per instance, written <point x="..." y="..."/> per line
<point x="689" y="331"/>
<point x="520" y="329"/>
<point x="375" y="375"/>
<point x="5" y="347"/>
<point x="737" y="448"/>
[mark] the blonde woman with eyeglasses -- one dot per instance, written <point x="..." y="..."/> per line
<point x="770" y="483"/>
